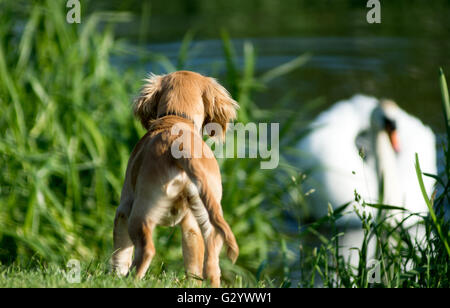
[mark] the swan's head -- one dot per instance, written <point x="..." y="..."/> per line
<point x="384" y="120"/>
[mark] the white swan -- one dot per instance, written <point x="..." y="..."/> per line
<point x="389" y="138"/>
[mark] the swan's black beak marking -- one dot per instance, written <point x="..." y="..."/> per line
<point x="391" y="129"/>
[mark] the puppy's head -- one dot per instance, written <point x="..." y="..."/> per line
<point x="199" y="98"/>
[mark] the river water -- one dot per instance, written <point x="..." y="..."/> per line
<point x="397" y="59"/>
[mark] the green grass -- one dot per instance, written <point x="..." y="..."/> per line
<point x="99" y="276"/>
<point x="66" y="132"/>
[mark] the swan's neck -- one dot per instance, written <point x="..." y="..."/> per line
<point x="386" y="162"/>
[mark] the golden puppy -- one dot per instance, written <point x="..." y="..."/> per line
<point x="161" y="189"/>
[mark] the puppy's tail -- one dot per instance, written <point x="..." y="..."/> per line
<point x="195" y="172"/>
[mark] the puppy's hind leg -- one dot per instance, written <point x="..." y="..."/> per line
<point x="211" y="268"/>
<point x="123" y="246"/>
<point x="141" y="231"/>
<point x="213" y="241"/>
<point x="193" y="246"/>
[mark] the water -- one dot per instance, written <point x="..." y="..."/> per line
<point x="397" y="59"/>
<point x="339" y="67"/>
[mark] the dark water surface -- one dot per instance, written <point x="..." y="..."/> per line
<point x="398" y="58"/>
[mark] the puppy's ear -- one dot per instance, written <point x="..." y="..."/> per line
<point x="146" y="105"/>
<point x="220" y="108"/>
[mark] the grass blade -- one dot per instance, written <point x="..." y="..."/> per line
<point x="430" y="206"/>
<point x="285" y="68"/>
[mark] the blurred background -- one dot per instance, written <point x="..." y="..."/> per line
<point x="66" y="126"/>
<point x="395" y="59"/>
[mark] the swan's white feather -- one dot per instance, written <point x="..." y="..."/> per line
<point x="339" y="171"/>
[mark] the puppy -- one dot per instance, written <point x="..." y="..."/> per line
<point x="161" y="189"/>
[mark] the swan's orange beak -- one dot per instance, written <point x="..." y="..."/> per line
<point x="393" y="137"/>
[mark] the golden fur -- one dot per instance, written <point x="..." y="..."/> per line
<point x="185" y="93"/>
<point x="160" y="189"/>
